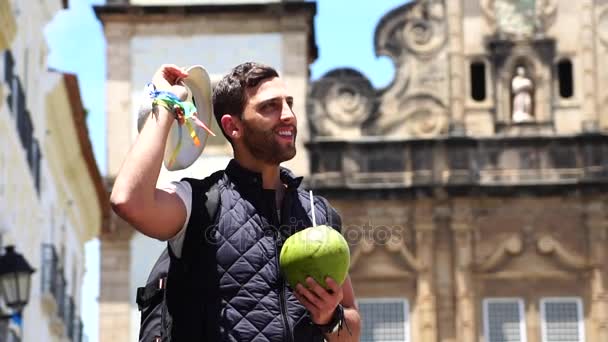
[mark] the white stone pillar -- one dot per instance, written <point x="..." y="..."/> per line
<point x="462" y="228"/>
<point x="587" y="41"/>
<point x="456" y="61"/>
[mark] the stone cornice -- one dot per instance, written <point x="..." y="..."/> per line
<point x="271" y="11"/>
<point x="117" y="12"/>
<point x="462" y="166"/>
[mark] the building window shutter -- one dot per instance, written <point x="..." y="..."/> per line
<point x="504" y="320"/>
<point x="384" y="320"/>
<point x="562" y="320"/>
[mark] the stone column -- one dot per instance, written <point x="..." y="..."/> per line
<point x="114" y="300"/>
<point x="463" y="229"/>
<point x="119" y="117"/>
<point x="115" y="288"/>
<point x="456" y="62"/>
<point x="425" y="247"/>
<point x="597" y="226"/>
<point x="296" y="59"/>
<point x="587" y="41"/>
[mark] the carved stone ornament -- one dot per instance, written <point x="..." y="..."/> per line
<point x="419" y="26"/>
<point x="548" y="245"/>
<point x="340" y="101"/>
<point x="509" y="247"/>
<point x="519" y="18"/>
<point x="394" y="246"/>
<point x="419" y="116"/>
<point x="545" y="244"/>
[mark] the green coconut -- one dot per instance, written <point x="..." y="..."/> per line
<point x="318" y="252"/>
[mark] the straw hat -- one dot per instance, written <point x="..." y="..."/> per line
<point x="181" y="149"/>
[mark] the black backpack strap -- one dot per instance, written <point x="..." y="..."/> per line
<point x="189" y="276"/>
<point x="205" y="202"/>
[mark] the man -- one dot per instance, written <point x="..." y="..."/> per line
<point x="248" y="298"/>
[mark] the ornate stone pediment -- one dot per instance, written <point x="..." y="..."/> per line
<point x="344" y="104"/>
<point x="544" y="256"/>
<point x="393" y="255"/>
<point x="369" y="260"/>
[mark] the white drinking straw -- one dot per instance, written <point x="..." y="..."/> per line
<point x="312" y="206"/>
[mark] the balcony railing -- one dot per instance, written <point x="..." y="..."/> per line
<point x="54" y="284"/>
<point x="373" y="163"/>
<point x="18" y="109"/>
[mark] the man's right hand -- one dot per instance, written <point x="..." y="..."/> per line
<point x="168" y="78"/>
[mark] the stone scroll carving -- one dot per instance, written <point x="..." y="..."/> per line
<point x="418" y="28"/>
<point x="545" y="245"/>
<point x="414" y="36"/>
<point x="367" y="246"/>
<point x="549" y="246"/>
<point x="344" y="104"/>
<point x="340" y="102"/>
<point x="419" y="116"/>
<point x="509" y="247"/>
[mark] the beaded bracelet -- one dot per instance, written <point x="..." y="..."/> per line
<point x="182" y="111"/>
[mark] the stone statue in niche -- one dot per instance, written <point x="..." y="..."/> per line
<point x="522" y="89"/>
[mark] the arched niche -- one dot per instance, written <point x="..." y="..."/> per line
<point x="534" y="57"/>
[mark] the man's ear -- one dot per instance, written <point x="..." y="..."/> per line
<point x="232" y="126"/>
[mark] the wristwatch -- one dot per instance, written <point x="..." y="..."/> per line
<point x="336" y="322"/>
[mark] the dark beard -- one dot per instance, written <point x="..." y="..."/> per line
<point x="262" y="146"/>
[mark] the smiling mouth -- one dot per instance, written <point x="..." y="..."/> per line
<point x="286" y="133"/>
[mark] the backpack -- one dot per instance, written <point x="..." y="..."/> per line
<point x="156" y="321"/>
<point x="153" y="300"/>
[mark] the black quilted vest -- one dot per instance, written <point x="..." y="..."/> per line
<point x="232" y="286"/>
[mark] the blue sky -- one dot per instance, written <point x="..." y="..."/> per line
<point x="344" y="35"/>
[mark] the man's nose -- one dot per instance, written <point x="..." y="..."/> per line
<point x="287" y="113"/>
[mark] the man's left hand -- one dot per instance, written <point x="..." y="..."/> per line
<point x="321" y="303"/>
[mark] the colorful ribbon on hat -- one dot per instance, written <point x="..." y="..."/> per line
<point x="183" y="112"/>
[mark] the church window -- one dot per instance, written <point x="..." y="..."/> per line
<point x="562" y="320"/>
<point x="478" y="81"/>
<point x="504" y="320"/>
<point x="566" y="84"/>
<point x="384" y="319"/>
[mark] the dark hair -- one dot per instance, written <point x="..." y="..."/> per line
<point x="230" y="94"/>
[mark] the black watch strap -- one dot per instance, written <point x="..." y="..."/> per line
<point x="336" y="321"/>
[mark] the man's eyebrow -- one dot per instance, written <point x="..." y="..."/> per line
<point x="272" y="99"/>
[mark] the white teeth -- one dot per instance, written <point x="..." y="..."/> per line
<point x="285" y="133"/>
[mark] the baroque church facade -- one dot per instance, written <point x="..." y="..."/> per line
<point x="472" y="187"/>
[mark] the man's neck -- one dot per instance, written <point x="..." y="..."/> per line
<point x="271" y="178"/>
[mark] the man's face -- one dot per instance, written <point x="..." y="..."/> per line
<point x="269" y="124"/>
